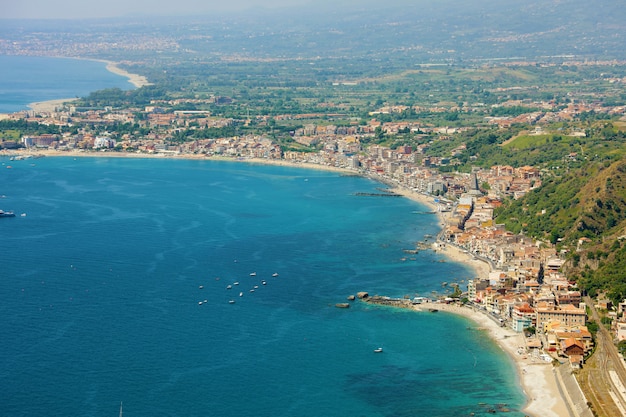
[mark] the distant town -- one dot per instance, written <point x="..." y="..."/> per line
<point x="524" y="288"/>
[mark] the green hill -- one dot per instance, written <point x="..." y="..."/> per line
<point x="583" y="211"/>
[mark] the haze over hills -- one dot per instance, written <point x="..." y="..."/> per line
<point x="280" y="60"/>
<point x="448" y="31"/>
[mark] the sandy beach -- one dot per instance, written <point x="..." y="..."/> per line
<point x="135" y="79"/>
<point x="537" y="378"/>
<point x="50" y="106"/>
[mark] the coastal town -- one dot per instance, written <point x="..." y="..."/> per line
<point x="517" y="284"/>
<point x="504" y="122"/>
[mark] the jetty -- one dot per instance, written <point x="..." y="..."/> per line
<point x="388" y="301"/>
<point x="389" y="194"/>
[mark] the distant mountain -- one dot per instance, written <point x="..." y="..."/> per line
<point x="451" y="29"/>
<point x="394" y="31"/>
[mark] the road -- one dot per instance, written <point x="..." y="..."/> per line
<point x="605" y="393"/>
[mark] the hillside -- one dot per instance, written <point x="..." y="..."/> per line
<point x="582" y="211"/>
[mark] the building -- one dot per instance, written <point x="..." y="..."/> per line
<point x="567" y="314"/>
<point x="522" y="317"/>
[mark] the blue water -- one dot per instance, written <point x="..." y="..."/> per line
<point x="100" y="286"/>
<point x="27" y="79"/>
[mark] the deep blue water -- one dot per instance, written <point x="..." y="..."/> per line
<point x="100" y="288"/>
<point x="27" y="79"/>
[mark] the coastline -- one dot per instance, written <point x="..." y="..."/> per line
<point x="536" y="378"/>
<point x="50" y="106"/>
<point x="135" y="79"/>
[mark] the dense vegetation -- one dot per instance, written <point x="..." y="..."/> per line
<point x="581" y="207"/>
<point x="444" y="65"/>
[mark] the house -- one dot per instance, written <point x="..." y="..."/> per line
<point x="573" y="349"/>
<point x="621" y="330"/>
<point x="522" y="316"/>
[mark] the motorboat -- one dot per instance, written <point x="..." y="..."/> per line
<point x="6" y="213"/>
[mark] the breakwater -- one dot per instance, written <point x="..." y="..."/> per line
<point x="389" y="194"/>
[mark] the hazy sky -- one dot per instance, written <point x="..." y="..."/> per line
<point x="71" y="9"/>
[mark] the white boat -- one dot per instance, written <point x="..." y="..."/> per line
<point x="378" y="350"/>
<point x="275" y="274"/>
<point x="236" y="283"/>
<point x="228" y="287"/>
<point x="201" y="287"/>
<point x="264" y="282"/>
<point x="231" y="301"/>
<point x="253" y="274"/>
<point x="199" y="303"/>
<point x="241" y="294"/>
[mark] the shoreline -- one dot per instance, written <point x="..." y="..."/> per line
<point x="537" y="379"/>
<point x="49" y="106"/>
<point x="135" y="79"/>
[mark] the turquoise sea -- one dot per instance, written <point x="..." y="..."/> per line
<point x="114" y="289"/>
<point x="29" y="79"/>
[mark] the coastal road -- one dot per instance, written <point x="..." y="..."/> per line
<point x="604" y="392"/>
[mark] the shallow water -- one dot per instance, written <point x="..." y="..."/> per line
<point x="101" y="289"/>
<point x="29" y="79"/>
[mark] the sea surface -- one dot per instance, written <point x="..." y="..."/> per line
<point x="114" y="288"/>
<point x="29" y="79"/>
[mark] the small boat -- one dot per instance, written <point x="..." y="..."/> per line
<point x="256" y="287"/>
<point x="275" y="274"/>
<point x="201" y="287"/>
<point x="253" y="274"/>
<point x="251" y="290"/>
<point x="6" y="213"/>
<point x="264" y="282"/>
<point x="236" y="283"/>
<point x="231" y="301"/>
<point x="199" y="303"/>
<point x="378" y="350"/>
<point x="241" y="294"/>
<point x="228" y="287"/>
